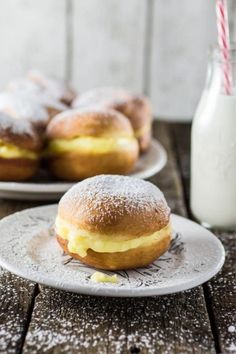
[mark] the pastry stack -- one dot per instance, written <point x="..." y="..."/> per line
<point x="43" y="121"/>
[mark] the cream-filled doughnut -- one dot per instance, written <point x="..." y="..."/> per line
<point x="20" y="148"/>
<point x="52" y="105"/>
<point x="136" y="108"/>
<point x="28" y="90"/>
<point x="114" y="222"/>
<point x="87" y="142"/>
<point x="56" y="88"/>
<point x="23" y="107"/>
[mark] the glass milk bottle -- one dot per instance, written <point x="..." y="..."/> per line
<point x="213" y="149"/>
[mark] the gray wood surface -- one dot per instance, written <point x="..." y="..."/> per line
<point x="16" y="296"/>
<point x="220" y="292"/>
<point x="16" y="300"/>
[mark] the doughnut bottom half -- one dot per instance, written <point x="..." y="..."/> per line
<point x="75" y="166"/>
<point x="18" y="169"/>
<point x="133" y="258"/>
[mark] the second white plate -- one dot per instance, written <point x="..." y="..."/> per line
<point x="147" y="166"/>
<point x="29" y="249"/>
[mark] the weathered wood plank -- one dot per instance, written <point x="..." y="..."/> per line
<point x="8" y="207"/>
<point x="221" y="290"/>
<point x="16" y="296"/>
<point x="108" y="41"/>
<point x="182" y="33"/>
<point x="69" y="323"/>
<point x="28" y="30"/>
<point x="168" y="180"/>
<point x="16" y="299"/>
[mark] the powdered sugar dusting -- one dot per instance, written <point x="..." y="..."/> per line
<point x="49" y="102"/>
<point x="78" y="113"/>
<point x="17" y="127"/>
<point x="115" y="196"/>
<point x="20" y="106"/>
<point x="231" y="329"/>
<point x="103" y="96"/>
<point x="69" y="323"/>
<point x="15" y="299"/>
<point x="24" y="85"/>
<point x="55" y="87"/>
<point x="37" y="93"/>
<point x="44" y="99"/>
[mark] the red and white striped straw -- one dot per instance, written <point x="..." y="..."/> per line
<point x="224" y="44"/>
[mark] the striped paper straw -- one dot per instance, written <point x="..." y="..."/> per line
<point x="224" y="44"/>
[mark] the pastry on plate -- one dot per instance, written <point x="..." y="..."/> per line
<point x="21" y="107"/>
<point x="58" y="89"/>
<point x="20" y="148"/>
<point x="114" y="222"/>
<point x="136" y="107"/>
<point x="29" y="90"/>
<point x="89" y="142"/>
<point x="52" y="105"/>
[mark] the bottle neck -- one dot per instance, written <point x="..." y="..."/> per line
<point x="221" y="74"/>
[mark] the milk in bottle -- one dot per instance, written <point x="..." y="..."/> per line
<point x="213" y="151"/>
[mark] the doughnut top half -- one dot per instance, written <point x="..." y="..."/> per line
<point x="115" y="205"/>
<point x="136" y="107"/>
<point x="22" y="107"/>
<point x="55" y="87"/>
<point x="89" y="122"/>
<point x="104" y="96"/>
<point x="19" y="133"/>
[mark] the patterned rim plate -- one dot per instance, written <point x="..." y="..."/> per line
<point x="43" y="188"/>
<point x="29" y="249"/>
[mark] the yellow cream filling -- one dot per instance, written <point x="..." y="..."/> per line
<point x="9" y="151"/>
<point x="89" y="144"/>
<point x="79" y="241"/>
<point x="99" y="277"/>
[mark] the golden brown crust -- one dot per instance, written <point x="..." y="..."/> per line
<point x="89" y="122"/>
<point x="19" y="169"/>
<point x="52" y="112"/>
<point x="22" y="141"/>
<point x="115" y="205"/>
<point x="68" y="97"/>
<point x="136" y="107"/>
<point x="144" y="141"/>
<point x="75" y="166"/>
<point x="138" y="110"/>
<point x="19" y="133"/>
<point x="133" y="258"/>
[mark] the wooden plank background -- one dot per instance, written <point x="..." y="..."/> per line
<point x="155" y="46"/>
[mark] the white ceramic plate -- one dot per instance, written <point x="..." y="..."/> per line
<point x="29" y="249"/>
<point x="45" y="189"/>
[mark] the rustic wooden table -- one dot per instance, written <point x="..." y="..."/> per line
<point x="37" y="319"/>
